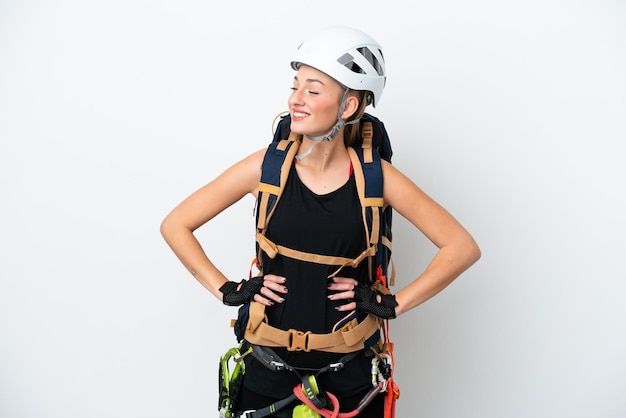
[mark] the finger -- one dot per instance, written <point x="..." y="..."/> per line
<point x="274" y="278"/>
<point x="274" y="286"/>
<point x="348" y="294"/>
<point x="344" y="285"/>
<point x="345" y="280"/>
<point x="347" y="307"/>
<point x="259" y="298"/>
<point x="268" y="294"/>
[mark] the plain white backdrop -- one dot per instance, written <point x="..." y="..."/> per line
<point x="511" y="114"/>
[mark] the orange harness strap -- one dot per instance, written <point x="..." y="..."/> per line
<point x="351" y="337"/>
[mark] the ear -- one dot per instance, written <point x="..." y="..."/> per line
<point x="352" y="105"/>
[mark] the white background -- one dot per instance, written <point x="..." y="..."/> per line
<point x="511" y="114"/>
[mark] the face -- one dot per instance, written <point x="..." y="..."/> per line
<point x="314" y="102"/>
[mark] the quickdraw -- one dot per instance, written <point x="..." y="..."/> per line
<point x="230" y="375"/>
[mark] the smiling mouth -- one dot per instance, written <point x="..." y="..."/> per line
<point x="300" y="115"/>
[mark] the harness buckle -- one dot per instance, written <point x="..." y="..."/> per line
<point x="298" y="340"/>
<point x="335" y="367"/>
<point x="277" y="366"/>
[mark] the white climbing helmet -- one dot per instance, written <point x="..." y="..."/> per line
<point x="349" y="56"/>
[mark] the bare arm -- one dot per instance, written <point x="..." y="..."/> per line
<point x="200" y="207"/>
<point x="457" y="249"/>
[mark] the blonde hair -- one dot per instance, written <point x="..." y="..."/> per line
<point x="352" y="133"/>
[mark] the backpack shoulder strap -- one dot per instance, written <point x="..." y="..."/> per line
<point x="274" y="172"/>
<point x="367" y="162"/>
<point x="369" y="181"/>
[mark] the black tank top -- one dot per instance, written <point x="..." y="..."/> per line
<point x="329" y="224"/>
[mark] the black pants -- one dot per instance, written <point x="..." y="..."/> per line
<point x="249" y="400"/>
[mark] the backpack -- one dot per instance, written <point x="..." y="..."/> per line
<point x="366" y="155"/>
<point x="358" y="330"/>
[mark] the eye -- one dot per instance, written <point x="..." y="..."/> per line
<point x="306" y="91"/>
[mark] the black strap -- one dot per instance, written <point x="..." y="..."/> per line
<point x="269" y="410"/>
<point x="267" y="357"/>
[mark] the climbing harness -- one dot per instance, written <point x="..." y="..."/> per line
<point x="314" y="401"/>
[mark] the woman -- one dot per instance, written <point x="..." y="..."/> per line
<point x="339" y="71"/>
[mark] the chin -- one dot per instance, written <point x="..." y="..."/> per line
<point x="296" y="127"/>
<point x="299" y="127"/>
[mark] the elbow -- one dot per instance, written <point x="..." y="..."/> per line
<point x="163" y="228"/>
<point x="477" y="254"/>
<point x="166" y="228"/>
<point x="473" y="252"/>
<point x="173" y="228"/>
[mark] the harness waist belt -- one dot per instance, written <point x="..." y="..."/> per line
<point x="351" y="337"/>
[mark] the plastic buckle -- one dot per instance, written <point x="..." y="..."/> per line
<point x="299" y="341"/>
<point x="277" y="366"/>
<point x="245" y="414"/>
<point x="335" y="367"/>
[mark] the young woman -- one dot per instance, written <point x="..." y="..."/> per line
<point x="339" y="71"/>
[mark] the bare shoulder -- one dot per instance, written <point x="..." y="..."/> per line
<point x="256" y="157"/>
<point x="231" y="185"/>
<point x="401" y="192"/>
<point x="251" y="162"/>
<point x="410" y="201"/>
<point x="246" y="172"/>
<point x="396" y="180"/>
<point x="238" y="180"/>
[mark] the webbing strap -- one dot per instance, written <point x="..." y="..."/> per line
<point x="378" y="202"/>
<point x="371" y="206"/>
<point x="272" y="250"/>
<point x="351" y="337"/>
<point x="270" y="188"/>
<point x="282" y="144"/>
<point x="387" y="242"/>
<point x="262" y="209"/>
<point x="269" y="410"/>
<point x="392" y="278"/>
<point x="367" y="133"/>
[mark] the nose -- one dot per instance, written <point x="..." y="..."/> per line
<point x="295" y="98"/>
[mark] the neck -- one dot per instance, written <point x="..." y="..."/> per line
<point x="325" y="154"/>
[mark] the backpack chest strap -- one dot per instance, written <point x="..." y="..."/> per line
<point x="272" y="250"/>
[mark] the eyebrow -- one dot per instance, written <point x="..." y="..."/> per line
<point x="310" y="80"/>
